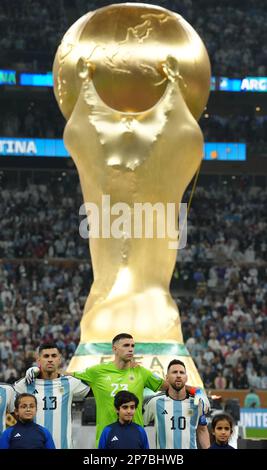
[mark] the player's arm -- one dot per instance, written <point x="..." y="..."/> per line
<point x="148" y="411"/>
<point x="11" y="399"/>
<point x="164" y="386"/>
<point x="203" y="436"/>
<point x="199" y="397"/>
<point x="31" y="374"/>
<point x="64" y="372"/>
<point x="79" y="388"/>
<point x="84" y="375"/>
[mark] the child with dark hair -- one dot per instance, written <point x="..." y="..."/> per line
<point x="26" y="434"/>
<point x="222" y="427"/>
<point x="124" y="434"/>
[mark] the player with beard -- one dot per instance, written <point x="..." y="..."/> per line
<point x="54" y="394"/>
<point x="179" y="422"/>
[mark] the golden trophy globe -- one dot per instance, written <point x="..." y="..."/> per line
<point x="132" y="80"/>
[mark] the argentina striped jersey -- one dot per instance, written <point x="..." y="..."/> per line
<point x="175" y="421"/>
<point x="54" y="398"/>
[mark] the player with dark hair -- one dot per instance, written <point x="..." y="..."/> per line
<point x="178" y="418"/>
<point x="54" y="393"/>
<point x="106" y="380"/>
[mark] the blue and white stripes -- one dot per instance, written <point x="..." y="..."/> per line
<point x="54" y="398"/>
<point x="176" y="421"/>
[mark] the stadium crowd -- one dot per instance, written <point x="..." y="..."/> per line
<point x="24" y="119"/>
<point x="234" y="128"/>
<point x="215" y="226"/>
<point x="219" y="24"/>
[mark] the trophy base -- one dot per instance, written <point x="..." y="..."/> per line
<point x="153" y="356"/>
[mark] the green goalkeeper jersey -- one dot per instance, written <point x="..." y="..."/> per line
<point x="106" y="380"/>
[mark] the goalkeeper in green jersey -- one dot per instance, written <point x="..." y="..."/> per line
<point x="106" y="379"/>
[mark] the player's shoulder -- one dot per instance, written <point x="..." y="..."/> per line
<point x="151" y="399"/>
<point x="72" y="381"/>
<point x="148" y="372"/>
<point x="6" y="386"/>
<point x="189" y="400"/>
<point x="102" y="367"/>
<point x="67" y="378"/>
<point x="21" y="383"/>
<point x="143" y="369"/>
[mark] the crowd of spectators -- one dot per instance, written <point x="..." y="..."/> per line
<point x="234" y="128"/>
<point x="225" y="223"/>
<point x="29" y="119"/>
<point x="219" y="281"/>
<point x="31" y="32"/>
<point x="225" y="327"/>
<point x="39" y="302"/>
<point x="233" y="31"/>
<point x="28" y="215"/>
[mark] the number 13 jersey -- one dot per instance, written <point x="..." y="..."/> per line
<point x="54" y="398"/>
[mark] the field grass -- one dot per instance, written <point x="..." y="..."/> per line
<point x="254" y="433"/>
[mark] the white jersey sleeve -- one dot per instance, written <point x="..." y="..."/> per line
<point x="79" y="389"/>
<point x="20" y="386"/>
<point x="7" y="398"/>
<point x="149" y="411"/>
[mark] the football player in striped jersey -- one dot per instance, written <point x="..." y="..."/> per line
<point x="54" y="394"/>
<point x="179" y="420"/>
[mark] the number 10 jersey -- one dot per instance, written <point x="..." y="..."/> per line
<point x="175" y="421"/>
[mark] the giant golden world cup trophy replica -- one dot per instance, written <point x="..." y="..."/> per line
<point x="131" y="81"/>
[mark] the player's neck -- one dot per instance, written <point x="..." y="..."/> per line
<point x="48" y="375"/>
<point x="177" y="395"/>
<point x="120" y="364"/>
